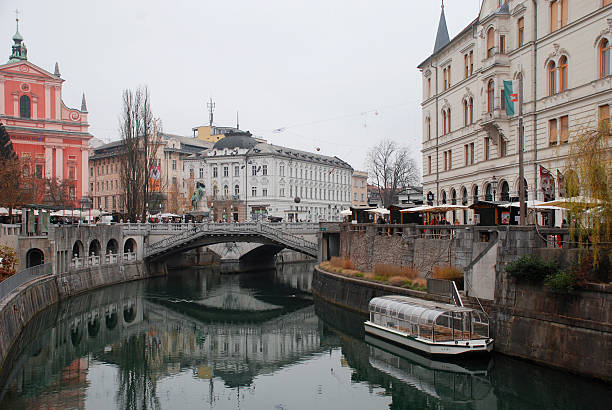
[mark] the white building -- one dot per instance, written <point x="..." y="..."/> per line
<point x="266" y="180"/>
<point x="559" y="50"/>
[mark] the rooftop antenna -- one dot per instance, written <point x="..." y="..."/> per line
<point x="17" y="18"/>
<point x="211" y="108"/>
<point x="237" y="121"/>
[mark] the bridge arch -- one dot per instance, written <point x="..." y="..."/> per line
<point x="112" y="247"/>
<point x="129" y="313"/>
<point x="94" y="248"/>
<point x="78" y="250"/>
<point x="93" y="327"/>
<point x="129" y="246"/>
<point x="76" y="335"/>
<point x="34" y="257"/>
<point x="111" y="320"/>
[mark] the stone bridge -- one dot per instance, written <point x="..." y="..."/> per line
<point x="68" y="248"/>
<point x="182" y="237"/>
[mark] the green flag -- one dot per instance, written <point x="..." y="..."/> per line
<point x="511" y="96"/>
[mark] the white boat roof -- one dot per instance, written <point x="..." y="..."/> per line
<point x="413" y="309"/>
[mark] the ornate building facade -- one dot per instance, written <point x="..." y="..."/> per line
<point x="559" y="54"/>
<point x="51" y="137"/>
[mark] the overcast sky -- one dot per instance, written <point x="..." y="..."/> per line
<point x="335" y="74"/>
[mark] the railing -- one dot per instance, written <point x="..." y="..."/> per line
<point x="305" y="227"/>
<point x="241" y="229"/>
<point x="26" y="275"/>
<point x="129" y="256"/>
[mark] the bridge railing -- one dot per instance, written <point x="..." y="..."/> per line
<point x="13" y="282"/>
<point x="161" y="228"/>
<point x="258" y="228"/>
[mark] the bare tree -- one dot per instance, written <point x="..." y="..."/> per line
<point x="141" y="138"/>
<point x="391" y="169"/>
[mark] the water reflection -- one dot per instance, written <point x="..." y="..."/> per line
<point x="206" y="339"/>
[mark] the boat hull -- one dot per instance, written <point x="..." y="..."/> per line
<point x="433" y="348"/>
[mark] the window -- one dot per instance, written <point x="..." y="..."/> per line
<point x="448" y="119"/>
<point x="174" y="165"/>
<point x="471" y="152"/>
<point x="502" y="99"/>
<point x="443" y="122"/>
<point x="552" y="132"/>
<point x="552" y="83"/>
<point x="39" y="171"/>
<point x="604" y="116"/>
<point x="225" y="190"/>
<point x="25" y="109"/>
<point x="91" y="187"/>
<point x="191" y="173"/>
<point x="428" y="87"/>
<point x="502" y="44"/>
<point x="428" y="125"/>
<point x="281" y="170"/>
<point x="201" y="173"/>
<point x="236" y="171"/>
<point x="606" y="3"/>
<point x="215" y="172"/>
<point x="448" y="160"/>
<point x="503" y="145"/>
<point x="554" y="15"/>
<point x="564" y="14"/>
<point x="91" y="172"/>
<point x="563" y="129"/>
<point x="471" y="108"/>
<point x="354" y="196"/>
<point x="466" y="153"/>
<point x="466" y="63"/>
<point x="264" y="170"/>
<point x="236" y="190"/>
<point x="226" y="171"/>
<point x="71" y="172"/>
<point x="254" y="170"/>
<point x="281" y="192"/>
<point x="490" y="42"/>
<point x="465" y="113"/>
<point x="253" y="191"/>
<point x="447" y="77"/>
<point x="264" y="192"/>
<point x="604" y="58"/>
<point x="215" y="191"/>
<point x="471" y="62"/>
<point x="487" y="148"/>
<point x="490" y="96"/>
<point x="521" y="31"/>
<point x="563" y="73"/>
<point x="445" y="82"/>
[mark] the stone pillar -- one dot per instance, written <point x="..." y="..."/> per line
<point x="48" y="162"/>
<point x="34" y="107"/>
<point x="58" y="103"/>
<point x="84" y="171"/>
<point x="47" y="102"/>
<point x="59" y="163"/>
<point x="15" y="105"/>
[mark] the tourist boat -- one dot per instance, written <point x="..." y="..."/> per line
<point x="430" y="327"/>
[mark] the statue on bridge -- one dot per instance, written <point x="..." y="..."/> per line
<point x="198" y="193"/>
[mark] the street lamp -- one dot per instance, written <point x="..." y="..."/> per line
<point x="494" y="186"/>
<point x="85" y="205"/>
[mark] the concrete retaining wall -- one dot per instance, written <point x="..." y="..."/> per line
<point x="17" y="309"/>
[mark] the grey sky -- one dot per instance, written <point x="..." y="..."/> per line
<point x="337" y="74"/>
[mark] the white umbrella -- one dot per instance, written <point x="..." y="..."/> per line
<point x="380" y="211"/>
<point x="583" y="201"/>
<point x="346" y="212"/>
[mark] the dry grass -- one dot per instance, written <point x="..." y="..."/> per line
<point x="343" y="263"/>
<point x="388" y="271"/>
<point x="398" y="280"/>
<point x="447" y="272"/>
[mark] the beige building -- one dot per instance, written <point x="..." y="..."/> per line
<point x="212" y="133"/>
<point x="559" y="51"/>
<point x="359" y="188"/>
<point x="170" y="194"/>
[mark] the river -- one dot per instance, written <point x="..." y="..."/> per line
<point x="199" y="338"/>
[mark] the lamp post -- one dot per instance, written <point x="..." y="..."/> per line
<point x="494" y="186"/>
<point x="85" y="205"/>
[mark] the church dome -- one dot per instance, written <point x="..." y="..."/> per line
<point x="237" y="140"/>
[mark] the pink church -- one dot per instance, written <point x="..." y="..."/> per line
<point x="53" y="137"/>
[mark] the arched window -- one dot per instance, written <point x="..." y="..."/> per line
<point x="215" y="191"/>
<point x="552" y="83"/>
<point x="563" y="74"/>
<point x="471" y="108"/>
<point x="505" y="191"/>
<point x="464" y="196"/>
<point x="488" y="192"/>
<point x="475" y="193"/>
<point x="453" y="196"/>
<point x="428" y="124"/>
<point x="448" y="120"/>
<point x="25" y="108"/>
<point x="444" y="197"/>
<point x="491" y="96"/>
<point x="604" y="58"/>
<point x="490" y="42"/>
<point x="521" y="31"/>
<point x="465" y="113"/>
<point x="443" y="122"/>
<point x="236" y="190"/>
<point x="225" y="190"/>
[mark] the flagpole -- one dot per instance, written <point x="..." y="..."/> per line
<point x="523" y="209"/>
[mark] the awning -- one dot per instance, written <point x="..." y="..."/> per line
<point x="379" y="211"/>
<point x="346" y="212"/>
<point x="580" y="201"/>
<point x="435" y="209"/>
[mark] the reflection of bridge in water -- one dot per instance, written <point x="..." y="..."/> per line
<point x="101" y="325"/>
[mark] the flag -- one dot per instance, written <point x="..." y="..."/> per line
<point x="511" y="96"/>
<point x="561" y="183"/>
<point x="547" y="182"/>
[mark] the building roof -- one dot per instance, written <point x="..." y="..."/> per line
<point x="442" y="38"/>
<point x="241" y="140"/>
<point x="468" y="28"/>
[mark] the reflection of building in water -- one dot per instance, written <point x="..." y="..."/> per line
<point x="438" y="379"/>
<point x="296" y="275"/>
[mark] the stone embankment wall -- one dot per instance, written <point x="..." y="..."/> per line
<point x="18" y="308"/>
<point x="570" y="331"/>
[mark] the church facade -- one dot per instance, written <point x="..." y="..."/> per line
<point x="50" y="137"/>
<point x="557" y="52"/>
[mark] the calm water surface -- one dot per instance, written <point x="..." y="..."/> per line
<point x="200" y="339"/>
